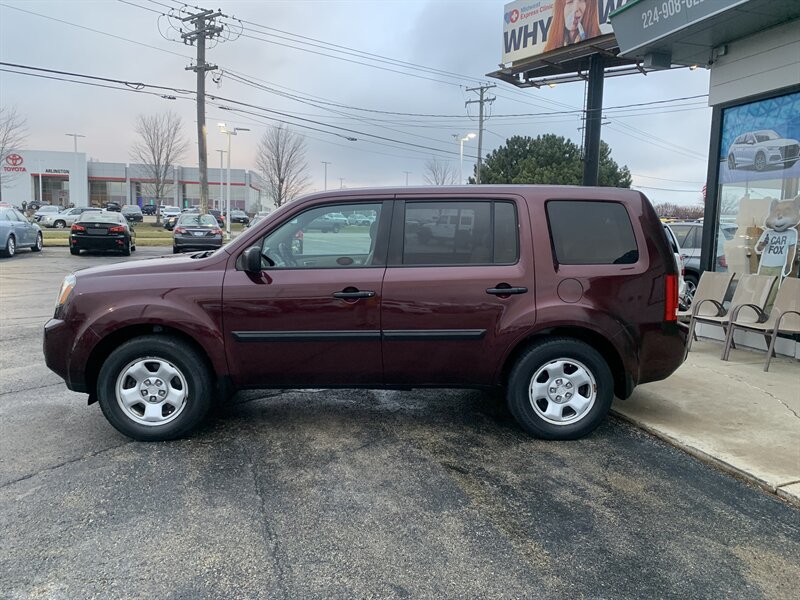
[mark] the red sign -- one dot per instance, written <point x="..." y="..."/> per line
<point x="14" y="163"/>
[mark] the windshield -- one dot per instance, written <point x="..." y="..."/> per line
<point x="190" y="220"/>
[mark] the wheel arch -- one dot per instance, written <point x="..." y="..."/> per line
<point x="119" y="336"/>
<point x="623" y="383"/>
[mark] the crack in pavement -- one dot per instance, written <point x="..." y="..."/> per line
<point x="268" y="533"/>
<point x="751" y="386"/>
<point x="66" y="462"/>
<point x="41" y="387"/>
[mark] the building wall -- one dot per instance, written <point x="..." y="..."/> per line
<point x="20" y="186"/>
<point x="764" y="62"/>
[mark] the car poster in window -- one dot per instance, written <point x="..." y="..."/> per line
<point x="759" y="173"/>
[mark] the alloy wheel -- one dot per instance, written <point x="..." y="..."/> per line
<point x="151" y="391"/>
<point x="563" y="391"/>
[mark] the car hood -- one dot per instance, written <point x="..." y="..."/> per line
<point x="779" y="142"/>
<point x="178" y="263"/>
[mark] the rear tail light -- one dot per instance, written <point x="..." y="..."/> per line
<point x="722" y="261"/>
<point x="671" y="298"/>
<point x="78" y="228"/>
<point x="216" y="231"/>
<point x="179" y="230"/>
<point x="116" y="229"/>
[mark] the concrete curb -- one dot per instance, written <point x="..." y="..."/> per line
<point x="712" y="460"/>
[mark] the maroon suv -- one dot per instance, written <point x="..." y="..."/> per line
<point x="564" y="296"/>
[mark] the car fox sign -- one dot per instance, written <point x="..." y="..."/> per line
<point x="531" y="27"/>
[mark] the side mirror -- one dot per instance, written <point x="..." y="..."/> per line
<point x="251" y="260"/>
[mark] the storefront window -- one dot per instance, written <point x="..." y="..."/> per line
<point x="758" y="193"/>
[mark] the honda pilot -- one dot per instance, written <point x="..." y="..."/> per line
<point x="562" y="296"/>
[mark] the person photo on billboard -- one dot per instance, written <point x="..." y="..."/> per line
<point x="573" y="21"/>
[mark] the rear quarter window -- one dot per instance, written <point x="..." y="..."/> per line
<point x="591" y="233"/>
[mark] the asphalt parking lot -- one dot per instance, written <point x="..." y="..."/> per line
<point x="353" y="494"/>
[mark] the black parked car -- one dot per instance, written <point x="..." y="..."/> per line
<point x="113" y="206"/>
<point x="148" y="209"/>
<point x="239" y="216"/>
<point x="133" y="213"/>
<point x="95" y="230"/>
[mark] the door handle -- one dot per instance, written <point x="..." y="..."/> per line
<point x="354" y="294"/>
<point x="506" y="291"/>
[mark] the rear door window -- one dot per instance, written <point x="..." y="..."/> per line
<point x="460" y="233"/>
<point x="591" y="233"/>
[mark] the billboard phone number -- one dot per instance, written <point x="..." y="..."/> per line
<point x="666" y="10"/>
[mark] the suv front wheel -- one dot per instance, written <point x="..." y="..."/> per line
<point x="560" y="389"/>
<point x="154" y="388"/>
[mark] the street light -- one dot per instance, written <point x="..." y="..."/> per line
<point x="229" y="133"/>
<point x="469" y="136"/>
<point x="221" y="187"/>
<point x="74" y="137"/>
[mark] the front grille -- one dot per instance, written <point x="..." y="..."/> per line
<point x="790" y="152"/>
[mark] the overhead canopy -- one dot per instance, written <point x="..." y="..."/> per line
<point x="695" y="34"/>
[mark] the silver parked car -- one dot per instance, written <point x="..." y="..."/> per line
<point x="45" y="210"/>
<point x="17" y="232"/>
<point x="66" y="218"/>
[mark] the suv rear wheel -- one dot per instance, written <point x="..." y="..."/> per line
<point x="560" y="389"/>
<point x="154" y="388"/>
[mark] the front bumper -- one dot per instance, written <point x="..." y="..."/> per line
<point x="61" y="352"/>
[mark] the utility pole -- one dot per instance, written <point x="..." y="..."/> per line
<point x="204" y="29"/>
<point x="341" y="183"/>
<point x="407" y="174"/>
<point x="482" y="99"/>
<point x="326" y="163"/>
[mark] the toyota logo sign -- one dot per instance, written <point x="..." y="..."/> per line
<point x="14" y="160"/>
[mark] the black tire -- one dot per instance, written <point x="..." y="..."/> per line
<point x="11" y="247"/>
<point x="335" y="229"/>
<point x="187" y="360"/>
<point x="760" y="162"/>
<point x="176" y="250"/>
<point x="75" y="251"/>
<point x="37" y="246"/>
<point x="60" y="224"/>
<point x="535" y="360"/>
<point x="126" y="251"/>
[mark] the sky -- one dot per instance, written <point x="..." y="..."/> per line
<point x="665" y="146"/>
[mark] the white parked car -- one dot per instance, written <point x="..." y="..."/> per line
<point x="44" y="211"/>
<point x="762" y="149"/>
<point x="66" y="218"/>
<point x="170" y="211"/>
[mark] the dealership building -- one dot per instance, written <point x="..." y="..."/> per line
<point x="64" y="178"/>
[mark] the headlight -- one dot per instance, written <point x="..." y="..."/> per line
<point x="66" y="289"/>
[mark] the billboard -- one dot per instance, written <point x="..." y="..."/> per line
<point x="532" y="27"/>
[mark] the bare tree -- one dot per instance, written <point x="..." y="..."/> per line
<point x="13" y="131"/>
<point x="281" y="160"/>
<point x="440" y="172"/>
<point x="161" y="144"/>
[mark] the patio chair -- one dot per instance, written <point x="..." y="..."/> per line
<point x="750" y="290"/>
<point x="783" y="318"/>
<point x="712" y="286"/>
